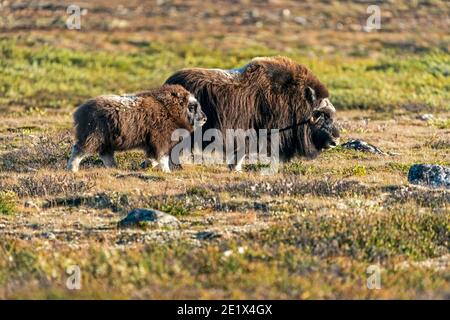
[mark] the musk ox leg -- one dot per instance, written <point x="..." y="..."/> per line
<point x="164" y="163"/>
<point x="239" y="155"/>
<point x="75" y="158"/>
<point x="238" y="166"/>
<point x="108" y="159"/>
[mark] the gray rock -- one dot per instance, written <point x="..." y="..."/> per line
<point x="301" y="20"/>
<point x="31" y="204"/>
<point x="425" y="117"/>
<point x="148" y="217"/>
<point x="207" y="235"/>
<point x="361" y="145"/>
<point x="49" y="235"/>
<point x="430" y="175"/>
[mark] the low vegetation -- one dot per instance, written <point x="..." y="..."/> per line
<point x="310" y="231"/>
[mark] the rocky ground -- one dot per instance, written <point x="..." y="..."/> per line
<point x="310" y="231"/>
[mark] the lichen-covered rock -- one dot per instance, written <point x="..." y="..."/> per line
<point x="430" y="175"/>
<point x="360" y="145"/>
<point x="148" y="217"/>
<point x="207" y="235"/>
<point x="425" y="117"/>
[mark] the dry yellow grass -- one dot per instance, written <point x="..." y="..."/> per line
<point x="309" y="231"/>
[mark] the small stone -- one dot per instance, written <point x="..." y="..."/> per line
<point x="425" y="117"/>
<point x="430" y="175"/>
<point x="228" y="253"/>
<point x="286" y="13"/>
<point x="143" y="217"/>
<point x="207" y="235"/>
<point x="31" y="204"/>
<point x="300" y="20"/>
<point x="49" y="235"/>
<point x="360" y="145"/>
<point x="254" y="13"/>
<point x="341" y="206"/>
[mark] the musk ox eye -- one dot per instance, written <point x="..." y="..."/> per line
<point x="191" y="107"/>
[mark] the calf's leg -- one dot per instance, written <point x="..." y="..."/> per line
<point x="75" y="159"/>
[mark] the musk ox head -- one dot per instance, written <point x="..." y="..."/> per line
<point x="324" y="131"/>
<point x="182" y="104"/>
<point x="298" y="96"/>
<point x="196" y="116"/>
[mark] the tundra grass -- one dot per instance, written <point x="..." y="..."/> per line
<point x="315" y="229"/>
<point x="39" y="77"/>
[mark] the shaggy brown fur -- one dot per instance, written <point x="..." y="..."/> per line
<point x="267" y="93"/>
<point x="144" y="120"/>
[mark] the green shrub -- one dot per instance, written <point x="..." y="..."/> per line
<point x="7" y="202"/>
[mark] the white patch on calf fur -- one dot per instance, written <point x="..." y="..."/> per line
<point x="125" y="100"/>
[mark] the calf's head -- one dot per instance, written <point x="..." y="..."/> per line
<point x="196" y="116"/>
<point x="322" y="125"/>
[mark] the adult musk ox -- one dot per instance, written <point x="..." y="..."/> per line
<point x="267" y="93"/>
<point x="143" y="120"/>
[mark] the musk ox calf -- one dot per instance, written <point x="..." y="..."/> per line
<point x="143" y="120"/>
<point x="267" y="93"/>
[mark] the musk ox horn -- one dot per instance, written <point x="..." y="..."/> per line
<point x="326" y="105"/>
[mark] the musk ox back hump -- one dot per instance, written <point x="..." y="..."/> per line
<point x="262" y="94"/>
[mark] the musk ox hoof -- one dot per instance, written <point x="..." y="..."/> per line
<point x="148" y="218"/>
<point x="148" y="163"/>
<point x="430" y="175"/>
<point x="235" y="168"/>
<point x="144" y="164"/>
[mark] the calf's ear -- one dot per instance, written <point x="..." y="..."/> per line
<point x="177" y="94"/>
<point x="310" y="95"/>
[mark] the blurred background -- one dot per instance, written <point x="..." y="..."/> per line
<point x="122" y="46"/>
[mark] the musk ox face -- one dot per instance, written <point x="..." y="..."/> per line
<point x="324" y="131"/>
<point x="196" y="116"/>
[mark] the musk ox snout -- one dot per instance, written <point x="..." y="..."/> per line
<point x="324" y="130"/>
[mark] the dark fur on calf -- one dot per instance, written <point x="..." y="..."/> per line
<point x="144" y="120"/>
